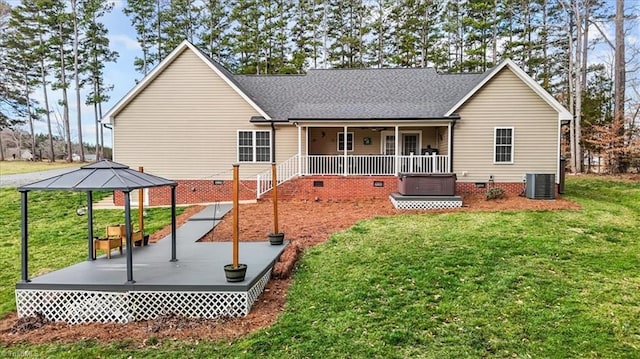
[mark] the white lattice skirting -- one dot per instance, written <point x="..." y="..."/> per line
<point x="77" y="306"/>
<point x="423" y="204"/>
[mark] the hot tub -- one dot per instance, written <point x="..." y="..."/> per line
<point x="427" y="184"/>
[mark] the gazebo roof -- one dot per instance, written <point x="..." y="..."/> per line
<point x="100" y="175"/>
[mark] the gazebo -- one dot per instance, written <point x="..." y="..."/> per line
<point x="102" y="175"/>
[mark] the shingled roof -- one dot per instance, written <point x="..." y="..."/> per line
<point x="399" y="93"/>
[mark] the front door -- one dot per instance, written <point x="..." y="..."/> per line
<point x="410" y="144"/>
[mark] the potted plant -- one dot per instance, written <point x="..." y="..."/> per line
<point x="235" y="272"/>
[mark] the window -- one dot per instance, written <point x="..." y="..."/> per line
<point x="341" y="141"/>
<point x="503" y="145"/>
<point x="254" y="146"/>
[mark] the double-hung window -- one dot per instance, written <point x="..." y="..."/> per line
<point x="503" y="145"/>
<point x="254" y="146"/>
<point x="341" y="141"/>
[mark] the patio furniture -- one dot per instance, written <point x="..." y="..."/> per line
<point x="112" y="241"/>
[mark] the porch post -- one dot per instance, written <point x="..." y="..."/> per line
<point x="299" y="149"/>
<point x="24" y="237"/>
<point x="344" y="147"/>
<point x="127" y="225"/>
<point x="449" y="147"/>
<point x="173" y="224"/>
<point x="90" y="223"/>
<point x="397" y="150"/>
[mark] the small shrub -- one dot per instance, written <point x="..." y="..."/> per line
<point x="495" y="193"/>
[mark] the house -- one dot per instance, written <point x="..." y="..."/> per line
<point x="340" y="133"/>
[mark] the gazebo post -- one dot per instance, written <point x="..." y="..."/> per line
<point x="127" y="224"/>
<point x="173" y="224"/>
<point x="90" y="223"/>
<point x="25" y="236"/>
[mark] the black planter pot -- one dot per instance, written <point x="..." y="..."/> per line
<point x="276" y="238"/>
<point x="235" y="274"/>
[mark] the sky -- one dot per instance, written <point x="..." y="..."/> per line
<point x="122" y="75"/>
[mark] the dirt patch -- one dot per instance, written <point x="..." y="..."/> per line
<point x="305" y="223"/>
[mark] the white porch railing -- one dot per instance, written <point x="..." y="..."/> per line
<point x="284" y="171"/>
<point x="366" y="165"/>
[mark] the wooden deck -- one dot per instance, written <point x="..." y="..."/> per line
<point x="193" y="286"/>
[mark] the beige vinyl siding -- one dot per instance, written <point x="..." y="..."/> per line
<point x="184" y="125"/>
<point x="505" y="101"/>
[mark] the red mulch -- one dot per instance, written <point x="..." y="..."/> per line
<point x="305" y="223"/>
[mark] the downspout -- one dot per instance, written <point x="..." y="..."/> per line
<point x="450" y="134"/>
<point x="299" y="148"/>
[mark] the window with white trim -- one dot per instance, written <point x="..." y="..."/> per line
<point x="503" y="145"/>
<point x="341" y="141"/>
<point x="254" y="146"/>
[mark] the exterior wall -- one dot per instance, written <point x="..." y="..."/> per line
<point x="505" y="101"/>
<point x="184" y="124"/>
<point x="196" y="191"/>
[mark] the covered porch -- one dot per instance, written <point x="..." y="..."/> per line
<point x="375" y="149"/>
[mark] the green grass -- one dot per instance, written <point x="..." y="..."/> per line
<point x="528" y="284"/>
<point x="57" y="236"/>
<point x="13" y="167"/>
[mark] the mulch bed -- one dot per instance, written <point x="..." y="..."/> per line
<point x="305" y="224"/>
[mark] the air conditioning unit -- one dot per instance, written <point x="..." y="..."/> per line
<point x="540" y="185"/>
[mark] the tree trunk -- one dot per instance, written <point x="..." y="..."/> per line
<point x="43" y="74"/>
<point x="65" y="97"/>
<point x="578" y="88"/>
<point x="619" y="96"/>
<point x="27" y="91"/>
<point x="76" y="76"/>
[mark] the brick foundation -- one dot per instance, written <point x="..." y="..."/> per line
<point x="196" y="191"/>
<point x="307" y="188"/>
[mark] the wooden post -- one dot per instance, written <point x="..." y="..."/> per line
<point x="274" y="183"/>
<point x="236" y="226"/>
<point x="141" y="208"/>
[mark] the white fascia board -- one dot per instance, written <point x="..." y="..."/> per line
<point x="563" y="114"/>
<point x="109" y="116"/>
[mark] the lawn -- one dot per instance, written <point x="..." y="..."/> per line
<point x="536" y="284"/>
<point x="13" y="167"/>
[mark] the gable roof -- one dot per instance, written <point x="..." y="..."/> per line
<point x="352" y="94"/>
<point x="563" y="114"/>
<point x="394" y="93"/>
<point x="147" y="80"/>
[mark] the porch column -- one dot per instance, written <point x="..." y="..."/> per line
<point x="90" y="223"/>
<point x="344" y="147"/>
<point x="449" y="147"/>
<point x="397" y="150"/>
<point x="299" y="149"/>
<point x="173" y="224"/>
<point x="24" y="237"/>
<point x="127" y="224"/>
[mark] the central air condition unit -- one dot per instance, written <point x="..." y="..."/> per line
<point x="540" y="185"/>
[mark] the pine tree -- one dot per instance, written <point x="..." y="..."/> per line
<point x="348" y="28"/>
<point x="57" y="18"/>
<point x="180" y="21"/>
<point x="96" y="53"/>
<point x="214" y="22"/>
<point x="245" y="39"/>
<point x="142" y="14"/>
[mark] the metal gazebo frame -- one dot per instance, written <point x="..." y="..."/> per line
<point x="102" y="175"/>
